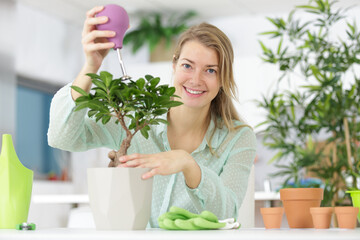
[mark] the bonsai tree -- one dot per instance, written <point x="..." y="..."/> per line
<point x="316" y="127"/>
<point x="135" y="105"/>
<point x="154" y="27"/>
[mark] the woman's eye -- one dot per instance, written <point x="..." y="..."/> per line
<point x="187" y="66"/>
<point x="211" y="71"/>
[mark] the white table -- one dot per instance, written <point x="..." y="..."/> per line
<point x="60" y="198"/>
<point x="158" y="234"/>
<point x="84" y="198"/>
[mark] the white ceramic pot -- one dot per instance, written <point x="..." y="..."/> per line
<point x="119" y="198"/>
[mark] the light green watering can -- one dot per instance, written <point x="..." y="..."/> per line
<point x="15" y="186"/>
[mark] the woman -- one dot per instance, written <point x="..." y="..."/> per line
<point x="202" y="159"/>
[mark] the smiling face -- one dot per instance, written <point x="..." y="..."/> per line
<point x="196" y="77"/>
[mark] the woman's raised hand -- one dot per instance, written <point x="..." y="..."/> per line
<point x="95" y="43"/>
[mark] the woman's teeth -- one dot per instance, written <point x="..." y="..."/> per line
<point x="193" y="92"/>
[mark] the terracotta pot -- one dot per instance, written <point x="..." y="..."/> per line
<point x="321" y="216"/>
<point x="297" y="203"/>
<point x="272" y="217"/>
<point x="346" y="216"/>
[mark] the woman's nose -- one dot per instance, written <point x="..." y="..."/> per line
<point x="196" y="78"/>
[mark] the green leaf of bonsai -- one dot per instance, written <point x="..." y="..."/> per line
<point x="145" y="133"/>
<point x="106" y="77"/>
<point x="154" y="82"/>
<point x="96" y="105"/>
<point x="132" y="125"/>
<point x="93" y="76"/>
<point x="92" y="113"/>
<point x="148" y="77"/>
<point x="80" y="90"/>
<point x="172" y="104"/>
<point x="163" y="99"/>
<point x="99" y="84"/>
<point x="140" y="83"/>
<point x="162" y="121"/>
<point x="82" y="99"/>
<point x="101" y="94"/>
<point x="81" y="106"/>
<point x="170" y="91"/>
<point x="160" y="111"/>
<point x="98" y="116"/>
<point x="105" y="119"/>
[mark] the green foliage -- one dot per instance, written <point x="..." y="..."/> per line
<point x="142" y="101"/>
<point x="295" y="118"/>
<point x="154" y="27"/>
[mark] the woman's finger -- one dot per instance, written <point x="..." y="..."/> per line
<point x="90" y="37"/>
<point x="89" y="15"/>
<point x="96" y="20"/>
<point x="150" y="163"/>
<point x="133" y="163"/>
<point x="94" y="10"/>
<point x="90" y="24"/>
<point x="98" y="46"/>
<point x="150" y="174"/>
<point x="133" y="156"/>
<point x="121" y="165"/>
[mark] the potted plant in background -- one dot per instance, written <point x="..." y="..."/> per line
<point x="119" y="199"/>
<point x="316" y="127"/>
<point x="159" y="33"/>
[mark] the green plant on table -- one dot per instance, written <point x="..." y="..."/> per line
<point x="325" y="107"/>
<point x="154" y="27"/>
<point x="142" y="102"/>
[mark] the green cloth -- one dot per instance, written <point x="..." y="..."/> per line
<point x="224" y="176"/>
<point x="181" y="219"/>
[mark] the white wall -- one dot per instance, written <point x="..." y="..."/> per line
<point x="7" y="71"/>
<point x="47" y="49"/>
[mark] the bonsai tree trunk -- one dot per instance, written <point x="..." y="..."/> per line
<point x="114" y="156"/>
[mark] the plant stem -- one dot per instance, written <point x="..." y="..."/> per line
<point x="336" y="176"/>
<point x="125" y="143"/>
<point x="355" y="147"/>
<point x="347" y="142"/>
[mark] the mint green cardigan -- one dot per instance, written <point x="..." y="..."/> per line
<point x="224" y="176"/>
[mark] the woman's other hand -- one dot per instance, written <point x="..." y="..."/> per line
<point x="95" y="42"/>
<point x="166" y="163"/>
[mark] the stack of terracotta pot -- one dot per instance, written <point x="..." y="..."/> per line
<point x="302" y="209"/>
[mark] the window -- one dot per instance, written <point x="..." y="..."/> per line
<point x="33" y="100"/>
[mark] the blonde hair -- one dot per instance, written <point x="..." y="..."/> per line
<point x="222" y="105"/>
